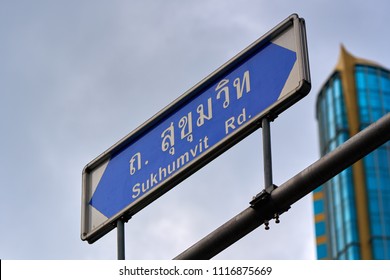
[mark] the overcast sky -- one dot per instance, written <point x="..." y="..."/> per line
<point x="77" y="76"/>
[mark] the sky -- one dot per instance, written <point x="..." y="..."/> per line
<point x="77" y="76"/>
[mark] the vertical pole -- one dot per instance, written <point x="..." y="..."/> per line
<point x="267" y="157"/>
<point x="120" y="224"/>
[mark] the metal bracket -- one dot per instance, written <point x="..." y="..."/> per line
<point x="271" y="117"/>
<point x="264" y="197"/>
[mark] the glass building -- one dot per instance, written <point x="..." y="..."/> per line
<point x="352" y="210"/>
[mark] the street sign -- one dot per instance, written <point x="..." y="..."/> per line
<point x="261" y="81"/>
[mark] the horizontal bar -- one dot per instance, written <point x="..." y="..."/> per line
<point x="291" y="191"/>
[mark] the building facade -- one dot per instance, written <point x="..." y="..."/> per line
<point x="352" y="210"/>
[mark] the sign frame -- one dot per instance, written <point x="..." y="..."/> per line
<point x="92" y="233"/>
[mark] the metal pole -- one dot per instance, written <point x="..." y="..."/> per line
<point x="267" y="156"/>
<point x="334" y="162"/>
<point x="291" y="191"/>
<point x="120" y="224"/>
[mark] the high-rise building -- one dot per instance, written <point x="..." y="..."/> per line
<point x="352" y="210"/>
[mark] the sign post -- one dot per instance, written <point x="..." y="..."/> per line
<point x="261" y="81"/>
<point x="267" y="156"/>
<point x="120" y="225"/>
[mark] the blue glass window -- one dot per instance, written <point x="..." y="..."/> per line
<point x="338" y="203"/>
<point x="318" y="206"/>
<point x="320" y="228"/>
<point x="340" y="223"/>
<point x="373" y="95"/>
<point x="322" y="251"/>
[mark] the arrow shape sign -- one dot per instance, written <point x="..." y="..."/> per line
<point x="227" y="106"/>
<point x="194" y="129"/>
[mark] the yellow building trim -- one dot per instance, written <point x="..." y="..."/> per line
<point x="321" y="239"/>
<point x="346" y="67"/>
<point x="319" y="217"/>
<point x="318" y="196"/>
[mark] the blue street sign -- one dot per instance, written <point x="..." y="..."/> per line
<point x="264" y="79"/>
